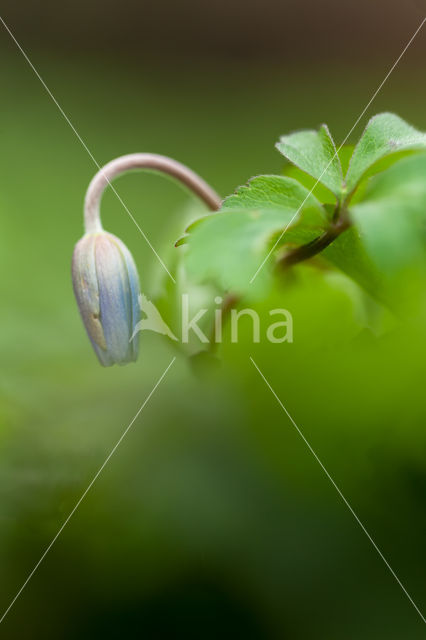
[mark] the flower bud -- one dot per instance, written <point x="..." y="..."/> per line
<point x="106" y="286"/>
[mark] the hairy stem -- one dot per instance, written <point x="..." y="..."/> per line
<point x="314" y="247"/>
<point x="153" y="162"/>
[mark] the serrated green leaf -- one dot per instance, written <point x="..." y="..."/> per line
<point x="385" y="135"/>
<point x="315" y="153"/>
<point x="270" y="192"/>
<point x="229" y="246"/>
<point x="322" y="194"/>
<point x="279" y="193"/>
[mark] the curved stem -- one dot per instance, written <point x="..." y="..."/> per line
<point x="153" y="162"/>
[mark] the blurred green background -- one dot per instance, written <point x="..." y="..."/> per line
<point x="212" y="519"/>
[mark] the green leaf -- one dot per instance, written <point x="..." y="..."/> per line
<point x="271" y="193"/>
<point x="348" y="254"/>
<point x="320" y="192"/>
<point x="315" y="153"/>
<point x="389" y="235"/>
<point x="385" y="135"/>
<point x="279" y="193"/>
<point x="228" y="247"/>
<point x="392" y="217"/>
<point x="405" y="180"/>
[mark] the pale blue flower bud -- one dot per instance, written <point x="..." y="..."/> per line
<point x="106" y="286"/>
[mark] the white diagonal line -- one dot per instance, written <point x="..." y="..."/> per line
<point x="339" y="492"/>
<point x="84" y="494"/>
<point x="342" y="145"/>
<point x="66" y="118"/>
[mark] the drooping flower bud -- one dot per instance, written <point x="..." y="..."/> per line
<point x="106" y="286"/>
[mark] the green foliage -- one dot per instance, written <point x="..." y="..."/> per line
<point x="321" y="192"/>
<point x="274" y="192"/>
<point x="392" y="216"/>
<point x="241" y="242"/>
<point x="262" y="221"/>
<point x="231" y="244"/>
<point x="349" y="255"/>
<point x="315" y="153"/>
<point x="385" y="135"/>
